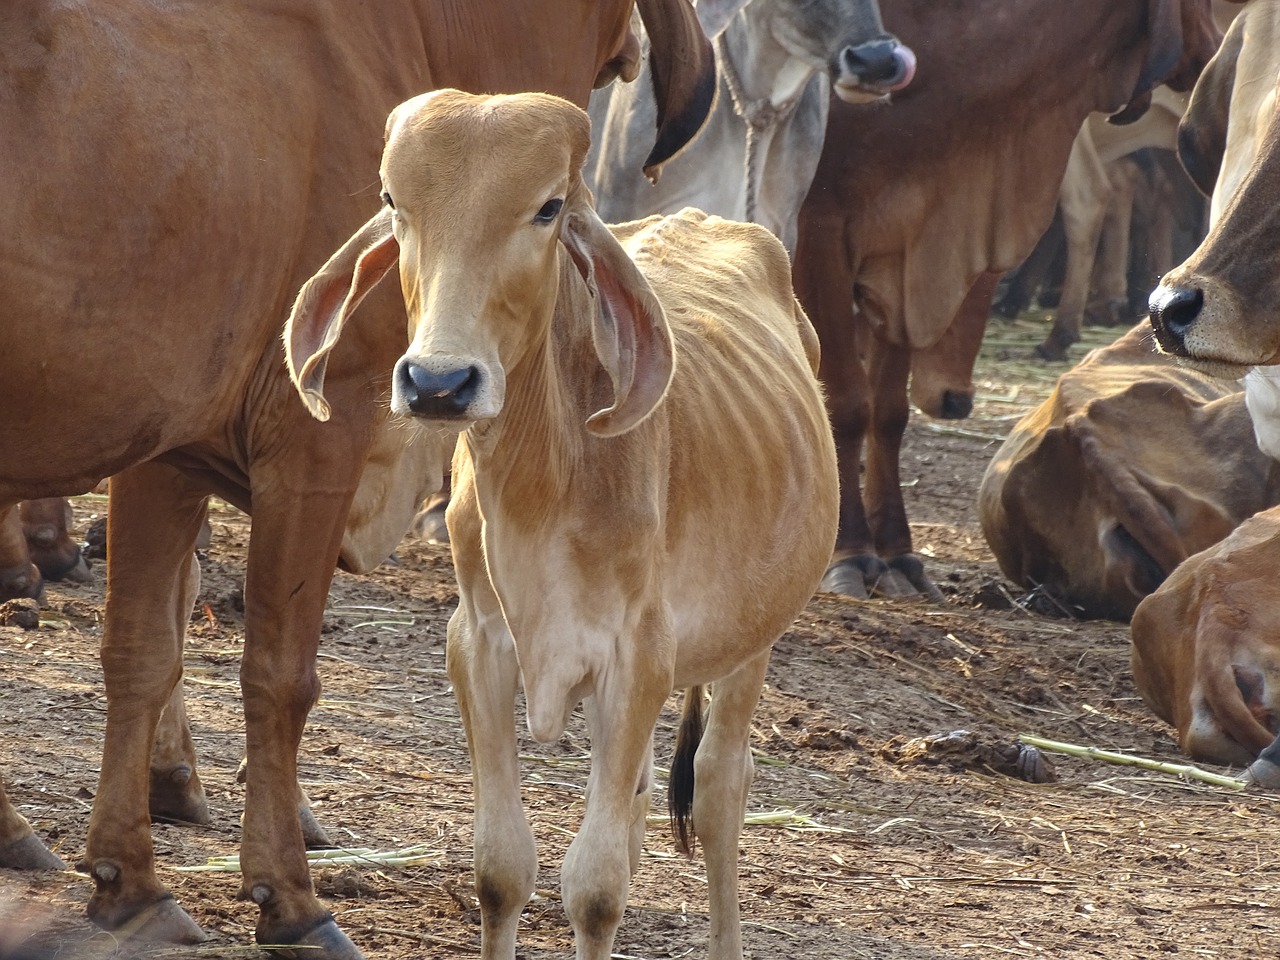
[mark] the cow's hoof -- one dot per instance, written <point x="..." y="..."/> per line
<point x="853" y="576"/>
<point x="1051" y="351"/>
<point x="324" y="942"/>
<point x="161" y="922"/>
<point x="911" y="569"/>
<point x="313" y="835"/>
<point x="178" y="797"/>
<point x="28" y="853"/>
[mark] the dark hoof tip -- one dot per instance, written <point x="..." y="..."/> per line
<point x="29" y="853"/>
<point x="325" y="942"/>
<point x="162" y="922"/>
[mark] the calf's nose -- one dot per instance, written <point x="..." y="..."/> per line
<point x="879" y="63"/>
<point x="1174" y="310"/>
<point x="443" y="394"/>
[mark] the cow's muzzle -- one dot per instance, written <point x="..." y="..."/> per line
<point x="1174" y="311"/>
<point x="878" y="65"/>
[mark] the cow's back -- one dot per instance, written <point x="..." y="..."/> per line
<point x="748" y="424"/>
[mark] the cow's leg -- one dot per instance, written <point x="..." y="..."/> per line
<point x="723" y="770"/>
<point x="300" y="506"/>
<point x="20" y="848"/>
<point x="19" y="577"/>
<point x="1026" y="279"/>
<point x="1083" y="210"/>
<point x="889" y="367"/>
<point x="176" y="792"/>
<point x="1111" y="268"/>
<point x="482" y="666"/>
<point x="154" y="515"/>
<point x="597" y="867"/>
<point x="823" y="280"/>
<point x="643" y="798"/>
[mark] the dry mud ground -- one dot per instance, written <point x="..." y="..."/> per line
<point x="866" y="854"/>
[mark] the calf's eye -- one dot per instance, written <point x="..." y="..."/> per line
<point x="386" y="198"/>
<point x="549" y="210"/>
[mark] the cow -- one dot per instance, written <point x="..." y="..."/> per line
<point x="625" y="395"/>
<point x="911" y="205"/>
<point x="181" y="172"/>
<point x="1095" y="178"/>
<point x="779" y="61"/>
<point x="1216" y="310"/>
<point x="35" y="547"/>
<point x="1132" y="464"/>
<point x="1206" y="646"/>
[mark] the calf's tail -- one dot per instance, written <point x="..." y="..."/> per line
<point x="680" y="783"/>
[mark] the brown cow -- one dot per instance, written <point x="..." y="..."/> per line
<point x="1218" y="308"/>
<point x="1206" y="645"/>
<point x="1133" y="464"/>
<point x="180" y="173"/>
<point x="911" y="204"/>
<point x="35" y="546"/>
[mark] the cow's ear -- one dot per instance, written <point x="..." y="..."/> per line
<point x="326" y="301"/>
<point x="1202" y="132"/>
<point x="629" y="328"/>
<point x="683" y="67"/>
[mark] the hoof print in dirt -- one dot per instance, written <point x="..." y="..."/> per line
<point x="962" y="750"/>
<point x="24" y="613"/>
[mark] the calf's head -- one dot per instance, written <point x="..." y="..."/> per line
<point x="481" y="195"/>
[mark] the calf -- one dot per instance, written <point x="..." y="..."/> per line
<point x="625" y="397"/>
<point x="1131" y="465"/>
<point x="1206" y="645"/>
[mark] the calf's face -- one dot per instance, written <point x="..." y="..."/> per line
<point x="480" y="194"/>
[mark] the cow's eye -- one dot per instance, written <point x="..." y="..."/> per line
<point x="386" y="198"/>
<point x="549" y="211"/>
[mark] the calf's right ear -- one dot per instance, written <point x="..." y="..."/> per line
<point x="326" y="301"/>
<point x="1202" y="132"/>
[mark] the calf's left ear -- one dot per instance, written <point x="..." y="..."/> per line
<point x="629" y="328"/>
<point x="326" y="301"/>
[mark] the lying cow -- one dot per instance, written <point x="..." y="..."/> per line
<point x="35" y="547"/>
<point x="1206" y="646"/>
<point x="779" y="61"/>
<point x="160" y="213"/>
<point x="628" y="397"/>
<point x="1131" y="465"/>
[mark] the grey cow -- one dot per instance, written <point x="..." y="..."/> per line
<point x="778" y="61"/>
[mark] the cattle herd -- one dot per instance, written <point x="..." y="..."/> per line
<point x="668" y="426"/>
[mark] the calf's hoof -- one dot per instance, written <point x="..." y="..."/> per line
<point x="28" y="853"/>
<point x="178" y="796"/>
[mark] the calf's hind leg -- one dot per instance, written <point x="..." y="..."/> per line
<point x="722" y="775"/>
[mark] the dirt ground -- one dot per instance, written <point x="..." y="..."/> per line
<point x="865" y="846"/>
